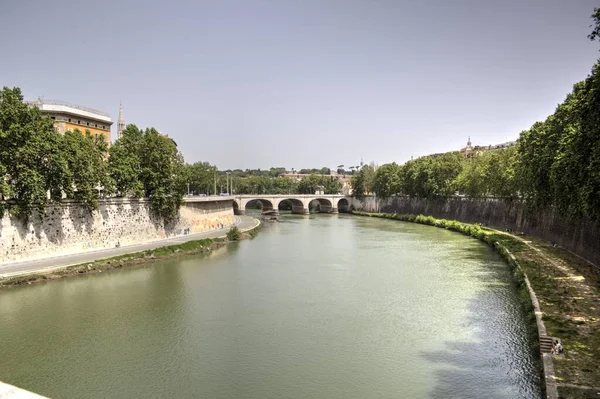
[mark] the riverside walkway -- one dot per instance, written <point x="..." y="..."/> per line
<point x="12" y="269"/>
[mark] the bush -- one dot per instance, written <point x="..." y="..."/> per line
<point x="234" y="234"/>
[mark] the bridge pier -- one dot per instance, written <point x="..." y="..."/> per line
<point x="240" y="212"/>
<point x="334" y="210"/>
<point x="305" y="211"/>
<point x="297" y="209"/>
<point x="325" y="208"/>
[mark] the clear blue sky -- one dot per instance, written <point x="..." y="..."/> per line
<point x="305" y="83"/>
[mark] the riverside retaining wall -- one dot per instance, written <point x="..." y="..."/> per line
<point x="68" y="228"/>
<point x="581" y="237"/>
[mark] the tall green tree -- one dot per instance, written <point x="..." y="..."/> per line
<point x="163" y="173"/>
<point x="362" y="181"/>
<point x="124" y="163"/>
<point x="201" y="177"/>
<point x="86" y="159"/>
<point x="31" y="161"/>
<point x="386" y="181"/>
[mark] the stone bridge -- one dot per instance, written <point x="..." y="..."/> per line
<point x="328" y="203"/>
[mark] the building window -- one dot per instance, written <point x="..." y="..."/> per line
<point x="95" y="124"/>
<point x="88" y="123"/>
<point x="53" y="118"/>
<point x="69" y="119"/>
<point x="79" y="122"/>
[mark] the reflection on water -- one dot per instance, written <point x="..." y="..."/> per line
<point x="314" y="307"/>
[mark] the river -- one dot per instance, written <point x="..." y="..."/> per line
<point x="314" y="307"/>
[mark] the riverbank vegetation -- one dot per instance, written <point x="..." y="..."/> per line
<point x="135" y="258"/>
<point x="554" y="164"/>
<point x="568" y="291"/>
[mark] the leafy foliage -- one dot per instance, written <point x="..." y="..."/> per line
<point x="234" y="234"/>
<point x="201" y="177"/>
<point x="31" y="161"/>
<point x="362" y="181"/>
<point x="124" y="163"/>
<point x="163" y="173"/>
<point x="85" y="156"/>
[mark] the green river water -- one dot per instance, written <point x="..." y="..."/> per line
<point x="314" y="307"/>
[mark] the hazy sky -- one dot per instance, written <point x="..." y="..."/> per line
<point x="254" y="84"/>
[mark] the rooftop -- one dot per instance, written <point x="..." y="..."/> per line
<point x="63" y="106"/>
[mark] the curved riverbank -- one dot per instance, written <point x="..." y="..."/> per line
<point x="189" y="247"/>
<point x="561" y="292"/>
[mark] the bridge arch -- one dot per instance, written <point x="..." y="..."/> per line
<point x="262" y="203"/>
<point x="296" y="205"/>
<point x="343" y="205"/>
<point x="321" y="205"/>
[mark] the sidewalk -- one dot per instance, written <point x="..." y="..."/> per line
<point x="12" y="269"/>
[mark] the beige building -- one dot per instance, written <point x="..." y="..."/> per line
<point x="70" y="117"/>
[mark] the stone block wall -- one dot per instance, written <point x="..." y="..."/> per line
<point x="68" y="228"/>
<point x="579" y="236"/>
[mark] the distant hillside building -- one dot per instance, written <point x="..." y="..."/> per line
<point x="70" y="117"/>
<point x="471" y="151"/>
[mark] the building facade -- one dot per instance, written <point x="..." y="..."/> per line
<point x="70" y="117"/>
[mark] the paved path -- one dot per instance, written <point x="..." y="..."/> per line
<point x="10" y="269"/>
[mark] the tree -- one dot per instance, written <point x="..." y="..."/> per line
<point x="85" y="157"/>
<point x="332" y="186"/>
<point x="310" y="184"/>
<point x="596" y="25"/>
<point x="472" y="180"/>
<point x="31" y="158"/>
<point x="386" y="181"/>
<point x="201" y="177"/>
<point x="124" y="163"/>
<point x="362" y="181"/>
<point x="163" y="174"/>
<point x="276" y="172"/>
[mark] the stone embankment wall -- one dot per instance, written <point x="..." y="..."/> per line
<point x="68" y="228"/>
<point x="581" y="237"/>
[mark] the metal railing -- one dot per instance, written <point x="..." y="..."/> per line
<point x="41" y="101"/>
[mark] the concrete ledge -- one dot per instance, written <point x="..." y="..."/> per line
<point x="11" y="392"/>
<point x="547" y="359"/>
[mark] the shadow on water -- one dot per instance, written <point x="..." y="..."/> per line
<point x="505" y="354"/>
